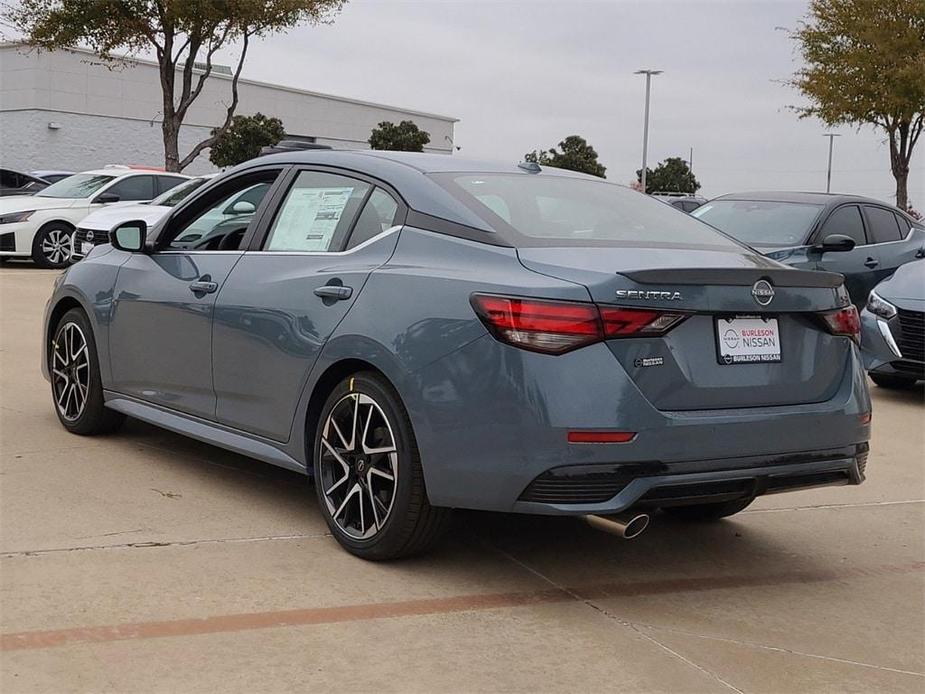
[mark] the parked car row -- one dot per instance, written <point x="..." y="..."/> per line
<point x="40" y="226"/>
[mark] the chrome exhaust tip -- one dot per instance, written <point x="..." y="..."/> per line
<point x="625" y="525"/>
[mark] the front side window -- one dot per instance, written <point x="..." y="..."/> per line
<point x="546" y="210"/>
<point x="219" y="221"/>
<point x="761" y="222"/>
<point x="76" y="186"/>
<point x="883" y="225"/>
<point x="847" y="222"/>
<point x="316" y="213"/>
<point x="133" y="188"/>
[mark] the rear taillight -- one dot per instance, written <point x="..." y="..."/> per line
<point x="555" y="327"/>
<point x="845" y="322"/>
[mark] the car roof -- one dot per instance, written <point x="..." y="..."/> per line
<point x="801" y="196"/>
<point x="409" y="174"/>
<point x="116" y="170"/>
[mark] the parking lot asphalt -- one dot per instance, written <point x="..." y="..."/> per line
<point x="144" y="561"/>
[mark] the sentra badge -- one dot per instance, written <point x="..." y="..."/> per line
<point x="648" y="295"/>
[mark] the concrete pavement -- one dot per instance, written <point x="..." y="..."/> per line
<point x="145" y="562"/>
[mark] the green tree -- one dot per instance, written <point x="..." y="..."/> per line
<point x="574" y="154"/>
<point x="671" y="176"/>
<point x="244" y="139"/>
<point x="865" y="65"/>
<point x="404" y="137"/>
<point x="183" y="34"/>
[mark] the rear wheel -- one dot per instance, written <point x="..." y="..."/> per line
<point x="891" y="381"/>
<point x="708" y="512"/>
<point x="368" y="475"/>
<point x="51" y="247"/>
<point x="76" y="387"/>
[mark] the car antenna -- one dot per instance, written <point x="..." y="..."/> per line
<point x="529" y="166"/>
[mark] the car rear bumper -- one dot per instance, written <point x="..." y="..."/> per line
<point x="490" y="420"/>
<point x="604" y="489"/>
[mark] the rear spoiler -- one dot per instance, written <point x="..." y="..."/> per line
<point x="744" y="277"/>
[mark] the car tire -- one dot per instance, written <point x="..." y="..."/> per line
<point x="370" y="483"/>
<point x="893" y="382"/>
<point x="51" y="247"/>
<point x="76" y="387"/>
<point x="702" y="513"/>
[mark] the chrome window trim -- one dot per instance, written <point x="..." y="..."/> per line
<point x="366" y="243"/>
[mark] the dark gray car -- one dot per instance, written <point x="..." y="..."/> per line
<point x="422" y="332"/>
<point x="893" y="328"/>
<point x="793" y="228"/>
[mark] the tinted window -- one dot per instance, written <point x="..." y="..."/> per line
<point x="76" y="186"/>
<point x="847" y="222"/>
<point x="904" y="225"/>
<point x="165" y="183"/>
<point x="689" y="205"/>
<point x="133" y="188"/>
<point x="883" y="224"/>
<point x="546" y="210"/>
<point x="761" y="222"/>
<point x="10" y="179"/>
<point x="215" y="223"/>
<point x="316" y="213"/>
<point x="178" y="193"/>
<point x="378" y="215"/>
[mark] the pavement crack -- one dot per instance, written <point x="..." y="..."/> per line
<point x="619" y="620"/>
<point x="154" y="543"/>
<point x="817" y="507"/>
<point x="778" y="649"/>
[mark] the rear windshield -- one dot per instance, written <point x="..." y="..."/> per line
<point x="538" y="210"/>
<point x="761" y="222"/>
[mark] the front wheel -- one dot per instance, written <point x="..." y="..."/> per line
<point x="51" y="247"/>
<point x="893" y="382"/>
<point x="76" y="386"/>
<point x="368" y="475"/>
<point x="708" y="512"/>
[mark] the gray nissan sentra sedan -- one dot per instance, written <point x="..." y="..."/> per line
<point x="422" y="332"/>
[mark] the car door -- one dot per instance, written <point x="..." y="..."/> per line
<point x="888" y="233"/>
<point x="860" y="265"/>
<point x="161" y="325"/>
<point x="287" y="295"/>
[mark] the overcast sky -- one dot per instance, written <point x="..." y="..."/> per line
<point x="524" y="75"/>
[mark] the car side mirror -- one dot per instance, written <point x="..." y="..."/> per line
<point x="834" y="243"/>
<point x="105" y="198"/>
<point x="243" y="207"/>
<point x="129" y="236"/>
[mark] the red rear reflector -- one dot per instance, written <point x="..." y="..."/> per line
<point x="601" y="436"/>
<point x="865" y="418"/>
<point x="843" y="322"/>
<point x="554" y="327"/>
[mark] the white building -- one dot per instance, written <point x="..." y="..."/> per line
<point x="66" y="110"/>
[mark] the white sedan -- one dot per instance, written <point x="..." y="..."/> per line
<point x="40" y="226"/>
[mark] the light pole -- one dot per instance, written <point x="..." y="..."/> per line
<point x="645" y="127"/>
<point x="828" y="175"/>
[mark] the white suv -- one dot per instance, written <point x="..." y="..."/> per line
<point x="40" y="226"/>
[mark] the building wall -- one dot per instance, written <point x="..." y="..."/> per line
<point x="113" y="114"/>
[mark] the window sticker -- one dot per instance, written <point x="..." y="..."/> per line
<point x="309" y="218"/>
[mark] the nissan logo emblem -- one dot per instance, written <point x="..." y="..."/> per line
<point x="763" y="292"/>
<point x="89" y="236"/>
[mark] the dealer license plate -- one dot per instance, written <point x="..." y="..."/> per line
<point x="85" y="247"/>
<point x="747" y="340"/>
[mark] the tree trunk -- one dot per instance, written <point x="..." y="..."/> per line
<point x="902" y="187"/>
<point x="171" y="131"/>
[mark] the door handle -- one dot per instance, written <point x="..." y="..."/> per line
<point x="871" y="263"/>
<point x="920" y="253"/>
<point x="203" y="286"/>
<point x="334" y="291"/>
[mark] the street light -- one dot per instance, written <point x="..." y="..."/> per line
<point x="645" y="127"/>
<point x="828" y="176"/>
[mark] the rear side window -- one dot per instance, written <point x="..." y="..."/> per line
<point x="133" y="188"/>
<point x="165" y="183"/>
<point x="883" y="225"/>
<point x="551" y="210"/>
<point x="378" y="215"/>
<point x="316" y="213"/>
<point x="847" y="222"/>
